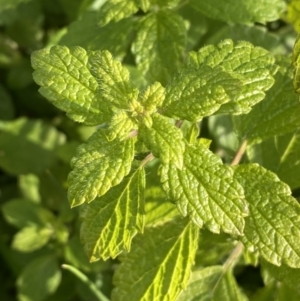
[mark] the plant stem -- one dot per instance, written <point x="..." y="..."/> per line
<point x="239" y="154"/>
<point x="149" y="158"/>
<point x="87" y="281"/>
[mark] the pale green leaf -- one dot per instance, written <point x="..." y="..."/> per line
<point x="206" y="191"/>
<point x="277" y="114"/>
<point x="254" y="66"/>
<point x="120" y="126"/>
<point x="285" y="274"/>
<point x="280" y="154"/>
<point x="85" y="33"/>
<point x="27" y="146"/>
<point x="115" y="10"/>
<point x="39" y="279"/>
<point x="31" y="238"/>
<point x="152" y="97"/>
<point x="98" y="165"/>
<point x="241" y="11"/>
<point x="66" y="80"/>
<point x="195" y="93"/>
<point x="190" y="131"/>
<point x="273" y="225"/>
<point x="212" y="284"/>
<point x="111" y="221"/>
<point x="144" y="4"/>
<point x="113" y="80"/>
<point x="160" y="44"/>
<point x="164" y="140"/>
<point x="23" y="213"/>
<point x="159" y="264"/>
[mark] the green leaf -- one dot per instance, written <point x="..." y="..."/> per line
<point x="195" y="93"/>
<point x="280" y="154"/>
<point x="111" y="221"/>
<point x="27" y="146"/>
<point x="85" y="33"/>
<point x="160" y="44"/>
<point x="115" y="10"/>
<point x="39" y="279"/>
<point x="113" y="80"/>
<point x="254" y="66"/>
<point x="206" y="191"/>
<point x="212" y="284"/>
<point x="31" y="238"/>
<point x="66" y="80"/>
<point x="285" y="274"/>
<point x="296" y="63"/>
<point x="23" y="213"/>
<point x="273" y="226"/>
<point x="213" y="248"/>
<point x="277" y="114"/>
<point x="241" y="11"/>
<point x="98" y="165"/>
<point x="158" y="266"/>
<point x="164" y="140"/>
<point x="293" y="15"/>
<point x="29" y="187"/>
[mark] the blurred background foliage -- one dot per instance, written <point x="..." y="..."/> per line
<point x="38" y="230"/>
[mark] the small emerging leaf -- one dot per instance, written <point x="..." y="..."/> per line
<point x="98" y="165"/>
<point x="273" y="225"/>
<point x="206" y="191"/>
<point x="159" y="263"/>
<point x="164" y="140"/>
<point x="111" y="221"/>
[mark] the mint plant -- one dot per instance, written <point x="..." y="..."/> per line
<point x="191" y="170"/>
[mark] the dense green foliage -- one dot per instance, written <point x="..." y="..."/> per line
<point x="149" y="150"/>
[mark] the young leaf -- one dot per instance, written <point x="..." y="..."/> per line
<point x="113" y="80"/>
<point x="31" y="238"/>
<point x="213" y="284"/>
<point x="152" y="97"/>
<point x="273" y="225"/>
<point x="65" y="79"/>
<point x="115" y="10"/>
<point x="293" y="15"/>
<point x="27" y="146"/>
<point x="254" y="66"/>
<point x="206" y="191"/>
<point x="280" y="154"/>
<point x="165" y="255"/>
<point x="277" y="114"/>
<point x="39" y="279"/>
<point x="241" y="11"/>
<point x="159" y="45"/>
<point x="120" y="126"/>
<point x="111" y="221"/>
<point x="98" y="165"/>
<point x="164" y="140"/>
<point x="195" y="93"/>
<point x="85" y="33"/>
